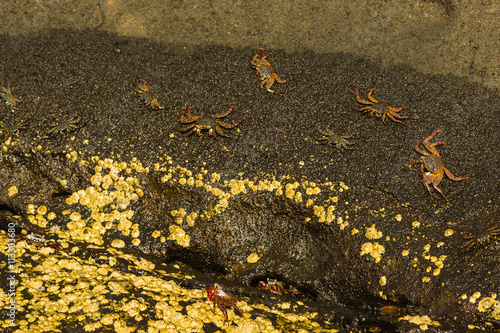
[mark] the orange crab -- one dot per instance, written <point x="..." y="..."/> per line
<point x="432" y="168"/>
<point x="266" y="72"/>
<point x="380" y="110"/>
<point x="217" y="296"/>
<point x="147" y="96"/>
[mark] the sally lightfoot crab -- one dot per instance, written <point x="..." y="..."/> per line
<point x="482" y="239"/>
<point x="38" y="240"/>
<point x="266" y="72"/>
<point x="14" y="129"/>
<point x="203" y="123"/>
<point x="378" y="110"/>
<point x="277" y="287"/>
<point x="8" y="96"/>
<point x="147" y="96"/>
<point x="329" y="137"/>
<point x="220" y="298"/>
<point x="67" y="126"/>
<point x="432" y="168"/>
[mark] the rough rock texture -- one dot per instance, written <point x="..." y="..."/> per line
<point x="433" y="36"/>
<point x="155" y="218"/>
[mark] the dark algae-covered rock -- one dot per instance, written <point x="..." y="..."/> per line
<point x="344" y="239"/>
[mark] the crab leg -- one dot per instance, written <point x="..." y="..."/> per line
<point x="370" y="96"/>
<point x="219" y="131"/>
<point x="393" y="118"/>
<point x="192" y="127"/>
<point x="212" y="135"/>
<point x="229" y="126"/>
<point x="421" y="151"/>
<point x="363" y="101"/>
<point x="365" y="110"/>
<point x="189" y="118"/>
<point x="417" y="161"/>
<point x="397" y="115"/>
<point x="267" y="84"/>
<point x="450" y="175"/>
<point x="280" y="80"/>
<point x="437" y="189"/>
<point x="222" y="115"/>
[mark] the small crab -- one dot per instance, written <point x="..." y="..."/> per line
<point x="380" y="110"/>
<point x="277" y="287"/>
<point x="14" y="129"/>
<point x="220" y="298"/>
<point x="272" y="285"/>
<point x="9" y="98"/>
<point x="39" y="241"/>
<point x="67" y="126"/>
<point x="266" y="72"/>
<point x="212" y="124"/>
<point x="432" y="168"/>
<point x="483" y="239"/>
<point x="330" y="137"/>
<point x="147" y="96"/>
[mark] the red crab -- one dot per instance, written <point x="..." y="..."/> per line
<point x="266" y="72"/>
<point x="483" y="238"/>
<point x="277" y="287"/>
<point x="380" y="110"/>
<point x="216" y="295"/>
<point x="432" y="168"/>
<point x="39" y="241"/>
<point x="147" y="96"/>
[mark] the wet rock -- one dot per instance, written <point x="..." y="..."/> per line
<point x="349" y="230"/>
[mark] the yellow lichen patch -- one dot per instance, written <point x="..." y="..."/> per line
<point x="342" y="223"/>
<point x="415" y="224"/>
<point x="31" y="209"/>
<point x="382" y="281"/>
<point x="179" y="215"/>
<point x="179" y="235"/>
<point x="422" y="321"/>
<point x="343" y="186"/>
<point x="330" y="217"/>
<point x="237" y="186"/>
<point x="118" y="243"/>
<point x="448" y="232"/>
<point x="319" y="211"/>
<point x="488" y="303"/>
<point x="404" y="253"/>
<point x="253" y="258"/>
<point x="375" y="250"/>
<point x="290" y="190"/>
<point x="398" y="217"/>
<point x="474" y="297"/>
<point x="372" y="233"/>
<point x="191" y="218"/>
<point x="12" y="191"/>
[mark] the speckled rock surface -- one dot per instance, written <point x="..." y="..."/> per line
<point x="155" y="218"/>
